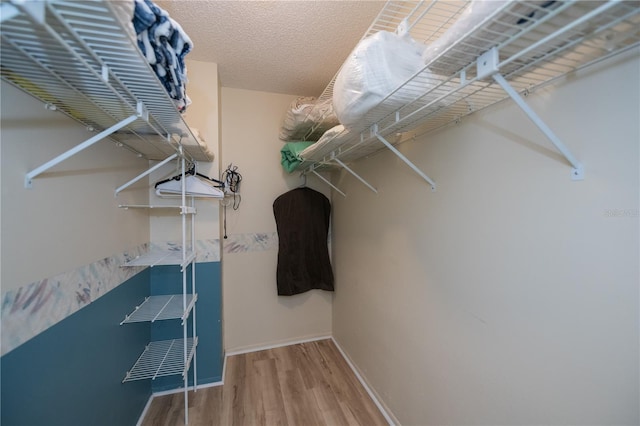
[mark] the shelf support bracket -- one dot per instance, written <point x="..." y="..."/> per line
<point x="357" y="176"/>
<point x="143" y="174"/>
<point x="577" y="170"/>
<point x="487" y="66"/>
<point x="405" y="159"/>
<point x="86" y="144"/>
<point x="322" y="178"/>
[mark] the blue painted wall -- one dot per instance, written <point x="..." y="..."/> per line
<point x="168" y="280"/>
<point x="71" y="374"/>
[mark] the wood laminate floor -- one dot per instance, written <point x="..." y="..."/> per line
<point x="305" y="384"/>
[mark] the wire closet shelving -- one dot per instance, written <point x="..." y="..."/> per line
<point x="163" y="358"/>
<point x="519" y="47"/>
<point x="82" y="59"/>
<point x="175" y="356"/>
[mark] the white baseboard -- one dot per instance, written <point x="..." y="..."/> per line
<point x="177" y="390"/>
<point x="256" y="348"/>
<point x="224" y="368"/>
<point x="390" y="418"/>
<point x="144" y="412"/>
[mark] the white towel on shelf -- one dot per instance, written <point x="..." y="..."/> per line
<point x="329" y="141"/>
<point x="164" y="44"/>
<point x="199" y="138"/>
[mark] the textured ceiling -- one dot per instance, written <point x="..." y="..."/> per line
<point x="292" y="47"/>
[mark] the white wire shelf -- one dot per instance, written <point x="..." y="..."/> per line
<point x="79" y="58"/>
<point x="156" y="308"/>
<point x="163" y="358"/>
<point x="536" y="45"/>
<point x="183" y="209"/>
<point x="163" y="257"/>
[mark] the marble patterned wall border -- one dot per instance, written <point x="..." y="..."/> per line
<point x="206" y="250"/>
<point x="257" y="241"/>
<point x="31" y="309"/>
<point x="209" y="250"/>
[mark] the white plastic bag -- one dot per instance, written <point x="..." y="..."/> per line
<point x="473" y="15"/>
<point x="377" y="66"/>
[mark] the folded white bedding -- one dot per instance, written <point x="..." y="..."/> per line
<point x="200" y="138"/>
<point x="201" y="143"/>
<point x="307" y="119"/>
<point x="331" y="139"/>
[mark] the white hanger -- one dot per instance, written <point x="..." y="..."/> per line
<point x="194" y="187"/>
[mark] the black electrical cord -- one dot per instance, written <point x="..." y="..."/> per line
<point x="231" y="178"/>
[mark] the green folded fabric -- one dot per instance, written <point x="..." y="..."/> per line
<point x="290" y="152"/>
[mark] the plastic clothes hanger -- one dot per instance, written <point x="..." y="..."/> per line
<point x="194" y="186"/>
<point x="192" y="171"/>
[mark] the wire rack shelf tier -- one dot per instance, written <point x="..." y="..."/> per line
<point x="156" y="308"/>
<point x="163" y="257"/>
<point x="183" y="209"/>
<point x="81" y="58"/>
<point x="163" y="358"/>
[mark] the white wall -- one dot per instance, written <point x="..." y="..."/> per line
<point x="70" y="217"/>
<point x="510" y="295"/>
<point x="202" y="115"/>
<point x="253" y="313"/>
